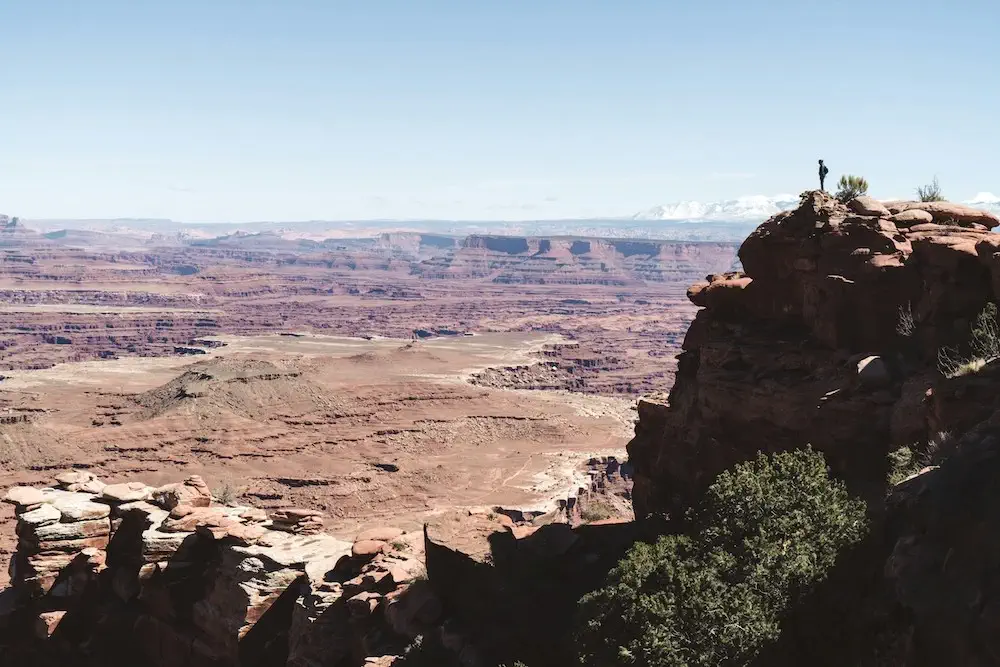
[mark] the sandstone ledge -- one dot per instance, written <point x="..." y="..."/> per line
<point x="202" y="583"/>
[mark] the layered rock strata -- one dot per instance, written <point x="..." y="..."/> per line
<point x="127" y="574"/>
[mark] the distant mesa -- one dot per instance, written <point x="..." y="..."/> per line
<point x="511" y="245"/>
<point x="12" y="230"/>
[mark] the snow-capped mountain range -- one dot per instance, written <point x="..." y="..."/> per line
<point x="985" y="200"/>
<point x="758" y="207"/>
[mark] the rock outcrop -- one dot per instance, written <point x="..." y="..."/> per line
<point x="510" y="591"/>
<point x="943" y="557"/>
<point x="829" y="337"/>
<point x="131" y="574"/>
<point x="126" y="573"/>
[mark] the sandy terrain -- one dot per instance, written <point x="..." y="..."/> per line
<point x="361" y="429"/>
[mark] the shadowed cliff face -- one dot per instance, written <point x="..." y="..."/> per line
<point x="779" y="356"/>
<point x="831" y="338"/>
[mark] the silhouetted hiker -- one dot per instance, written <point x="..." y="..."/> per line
<point x="823" y="171"/>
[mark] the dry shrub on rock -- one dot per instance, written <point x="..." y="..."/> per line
<point x="851" y="186"/>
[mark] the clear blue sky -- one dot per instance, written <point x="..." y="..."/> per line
<point x="215" y="110"/>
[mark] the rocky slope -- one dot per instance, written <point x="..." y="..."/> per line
<point x="126" y="573"/>
<point x="131" y="574"/>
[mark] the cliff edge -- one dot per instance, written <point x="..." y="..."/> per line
<point x="830" y="336"/>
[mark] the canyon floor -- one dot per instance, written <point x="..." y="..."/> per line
<point x="363" y="430"/>
<point x="379" y="379"/>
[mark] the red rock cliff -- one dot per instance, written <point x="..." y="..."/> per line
<point x="829" y="338"/>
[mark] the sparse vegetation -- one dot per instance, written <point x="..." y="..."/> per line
<point x="930" y="192"/>
<point x="906" y="461"/>
<point x="905" y="325"/>
<point x="426" y="651"/>
<point x="765" y="533"/>
<point x="399" y="545"/>
<point x="596" y="511"/>
<point x="939" y="448"/>
<point x="227" y="493"/>
<point x="851" y="186"/>
<point x="903" y="463"/>
<point x="984" y="344"/>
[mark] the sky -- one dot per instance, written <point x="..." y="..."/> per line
<point x="243" y="110"/>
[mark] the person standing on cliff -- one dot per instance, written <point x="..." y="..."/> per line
<point x="823" y="171"/>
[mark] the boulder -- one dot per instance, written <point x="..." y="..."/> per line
<point x="368" y="548"/>
<point x="79" y="480"/>
<point x="70" y="477"/>
<point x="127" y="492"/>
<point x="193" y="492"/>
<point x="873" y="372"/>
<point x="185" y="518"/>
<point x="25" y="496"/>
<point x="298" y="521"/>
<point x="238" y="533"/>
<point x="40" y="516"/>
<point x="79" y="507"/>
<point x="147" y="510"/>
<point x="912" y="217"/>
<point x="865" y="205"/>
<point x="944" y="212"/>
<point x="253" y="515"/>
<point x="723" y="292"/>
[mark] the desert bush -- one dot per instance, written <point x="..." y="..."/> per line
<point x="596" y="511"/>
<point x="763" y="535"/>
<point x="905" y="325"/>
<point x="939" y="448"/>
<point x="850" y="187"/>
<point x="227" y="492"/>
<point x="903" y="463"/>
<point x="985" y="334"/>
<point x="930" y="192"/>
<point x="984" y="342"/>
